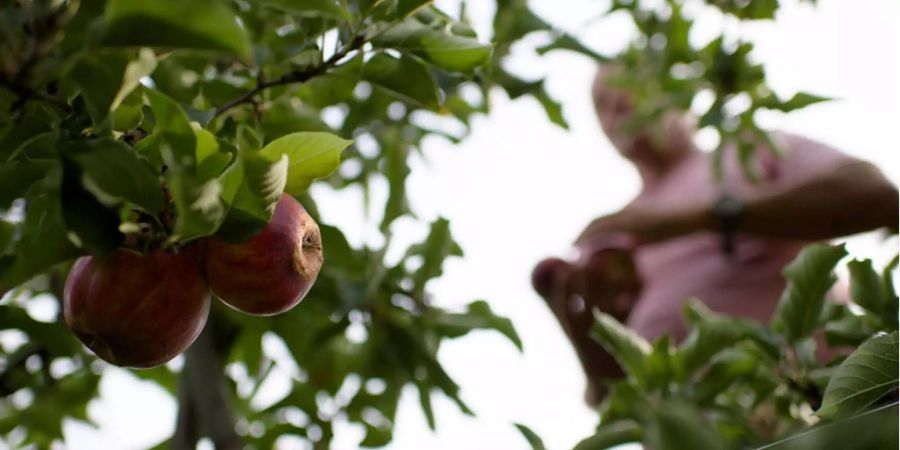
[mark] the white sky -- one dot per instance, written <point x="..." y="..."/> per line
<point x="520" y="189"/>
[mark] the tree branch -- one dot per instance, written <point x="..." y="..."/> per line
<point x="297" y="76"/>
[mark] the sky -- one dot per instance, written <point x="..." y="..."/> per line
<point x="519" y="189"/>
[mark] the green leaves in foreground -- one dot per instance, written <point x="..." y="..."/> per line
<point x="809" y="278"/>
<point x="311" y="155"/>
<point x="864" y="377"/>
<point x="197" y="24"/>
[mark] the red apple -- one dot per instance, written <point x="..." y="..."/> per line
<point x="136" y="310"/>
<point x="605" y="274"/>
<point x="548" y="275"/>
<point x="272" y="271"/>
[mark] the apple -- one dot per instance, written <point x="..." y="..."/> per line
<point x="136" y="310"/>
<point x="272" y="271"/>
<point x="605" y="274"/>
<point x="548" y="274"/>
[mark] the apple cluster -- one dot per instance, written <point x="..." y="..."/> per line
<point x="603" y="274"/>
<point x="141" y="310"/>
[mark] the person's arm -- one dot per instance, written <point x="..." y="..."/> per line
<point x="851" y="197"/>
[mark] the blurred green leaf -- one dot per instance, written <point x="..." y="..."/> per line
<point x="478" y="315"/>
<point x="17" y="177"/>
<point x="626" y="346"/>
<point x="533" y="439"/>
<point x="869" y="291"/>
<point x="434" y="250"/>
<point x="403" y="77"/>
<point x="311" y="155"/>
<point x="111" y="171"/>
<point x="809" y="277"/>
<point x="90" y="225"/>
<point x="311" y="8"/>
<point x="867" y="374"/>
<point x="198" y="24"/>
<point x="676" y="425"/>
<point x="612" y="434"/>
<point x="100" y="78"/>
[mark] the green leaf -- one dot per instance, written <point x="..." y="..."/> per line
<point x="809" y="277"/>
<point x="566" y="41"/>
<point x="533" y="439"/>
<point x="311" y="155"/>
<point x="17" y="177"/>
<point x="263" y="180"/>
<point x="872" y="430"/>
<point x="437" y="247"/>
<point x="7" y="233"/>
<point x="712" y="333"/>
<point x="139" y="68"/>
<point x="798" y="101"/>
<point x="56" y="339"/>
<point x="199" y="209"/>
<point x="407" y="7"/>
<point x="436" y="45"/>
<point x="100" y="79"/>
<point x="629" y="349"/>
<point x="112" y="172"/>
<point x="404" y="78"/>
<point x="425" y="401"/>
<point x="177" y="140"/>
<point x="197" y="24"/>
<point x="865" y="376"/>
<point x="477" y="316"/>
<point x="396" y="170"/>
<point x="516" y="87"/>
<point x="309" y="8"/>
<point x="612" y="434"/>
<point x="130" y="112"/>
<point x="43" y="242"/>
<point x="90" y="225"/>
<point x="868" y="290"/>
<point x="677" y="425"/>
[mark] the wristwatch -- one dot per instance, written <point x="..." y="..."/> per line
<point x="727" y="210"/>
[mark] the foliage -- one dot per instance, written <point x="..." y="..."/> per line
<point x="147" y="125"/>
<point x="734" y="383"/>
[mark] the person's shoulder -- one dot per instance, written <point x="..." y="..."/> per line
<point x="799" y="153"/>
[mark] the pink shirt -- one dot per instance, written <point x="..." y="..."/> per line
<point x="749" y="283"/>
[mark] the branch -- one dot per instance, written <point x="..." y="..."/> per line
<point x="297" y="76"/>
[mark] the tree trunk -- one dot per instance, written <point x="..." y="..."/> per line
<point x="204" y="407"/>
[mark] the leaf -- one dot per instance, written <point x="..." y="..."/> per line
<point x="57" y="340"/>
<point x="865" y="376"/>
<point x="90" y="225"/>
<point x="7" y="233"/>
<point x="310" y="8"/>
<point x="404" y="78"/>
<point x="566" y="41"/>
<point x="798" y="101"/>
<point x="263" y="180"/>
<point x="197" y="24"/>
<point x="199" y="209"/>
<point x="396" y="170"/>
<point x="43" y="242"/>
<point x="712" y="333"/>
<point x="130" y="112"/>
<point x="629" y="349"/>
<point x="478" y="315"/>
<point x="434" y="250"/>
<point x="533" y="439"/>
<point x="425" y="401"/>
<point x="437" y="45"/>
<point x="809" y="277"/>
<point x="311" y="155"/>
<point x="516" y="87"/>
<point x="677" y="425"/>
<point x="99" y="77"/>
<point x="144" y="65"/>
<point x="17" y="177"/>
<point x="868" y="290"/>
<point x="612" y="434"/>
<point x="178" y="142"/>
<point x="113" y="173"/>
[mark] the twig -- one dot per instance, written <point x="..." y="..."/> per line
<point x="297" y="76"/>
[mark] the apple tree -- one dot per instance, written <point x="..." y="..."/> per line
<point x="140" y="136"/>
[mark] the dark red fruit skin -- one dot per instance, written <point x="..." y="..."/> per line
<point x="606" y="275"/>
<point x="547" y="274"/>
<point x="271" y="272"/>
<point x="136" y="311"/>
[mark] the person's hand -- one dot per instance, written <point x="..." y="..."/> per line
<point x="648" y="225"/>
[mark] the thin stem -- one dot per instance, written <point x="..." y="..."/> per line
<point x="297" y="76"/>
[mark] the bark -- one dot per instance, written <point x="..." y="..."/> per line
<point x="204" y="406"/>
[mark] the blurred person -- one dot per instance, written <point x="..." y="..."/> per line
<point x="724" y="242"/>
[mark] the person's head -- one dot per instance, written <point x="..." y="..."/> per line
<point x="654" y="144"/>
